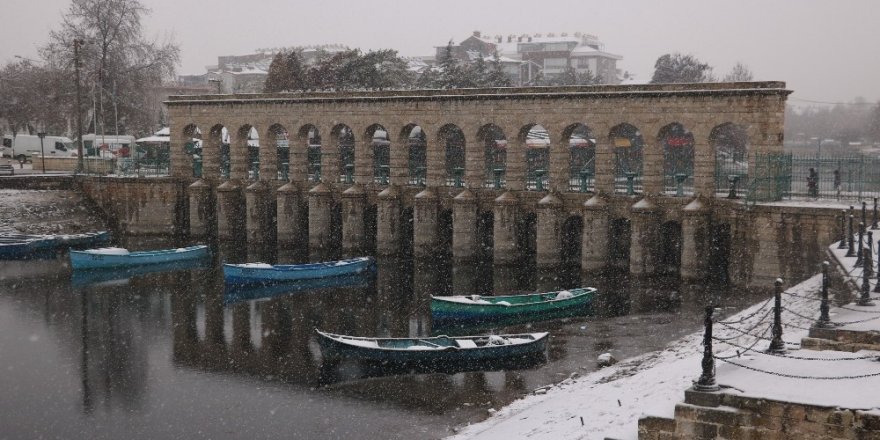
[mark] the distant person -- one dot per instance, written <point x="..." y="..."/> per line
<point x="837" y="183"/>
<point x="813" y="183"/>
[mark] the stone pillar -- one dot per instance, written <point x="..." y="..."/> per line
<point x="202" y="211"/>
<point x="398" y="161"/>
<point x="363" y="161"/>
<point x="353" y="204"/>
<point x="464" y="226"/>
<point x="652" y="163"/>
<point x="388" y="222"/>
<point x="230" y="211"/>
<point x="238" y="155"/>
<point x="289" y="216"/>
<point x="320" y="216"/>
<point x="435" y="158"/>
<point x="330" y="161"/>
<point x="645" y="226"/>
<point x="515" y="175"/>
<point x="425" y="224"/>
<point x="704" y="166"/>
<point x="259" y="218"/>
<point x="604" y="180"/>
<point x="560" y="162"/>
<point x="504" y="229"/>
<point x="180" y="164"/>
<point x="695" y="240"/>
<point x="596" y="233"/>
<point x="549" y="238"/>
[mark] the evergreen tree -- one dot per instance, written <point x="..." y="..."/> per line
<point x="295" y="71"/>
<point x="496" y="76"/>
<point x="678" y="68"/>
<point x="276" y="79"/>
<point x="450" y="69"/>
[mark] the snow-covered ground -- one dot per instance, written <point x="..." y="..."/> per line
<point x="609" y="402"/>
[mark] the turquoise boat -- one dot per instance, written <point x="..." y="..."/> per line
<point x="435" y="353"/>
<point x="510" y="309"/>
<point x="262" y="273"/>
<point x="118" y="257"/>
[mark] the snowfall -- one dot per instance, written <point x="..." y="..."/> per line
<point x="608" y="403"/>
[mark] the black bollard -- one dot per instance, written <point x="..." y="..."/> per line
<point x="824" y="320"/>
<point x="851" y="249"/>
<point x="865" y="298"/>
<point x="776" y="344"/>
<point x="874" y="218"/>
<point x="877" y="284"/>
<point x="860" y="255"/>
<point x="865" y="213"/>
<point x="870" y="254"/>
<point x="842" y="244"/>
<point x="706" y="382"/>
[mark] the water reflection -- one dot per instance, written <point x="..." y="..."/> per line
<point x="128" y="350"/>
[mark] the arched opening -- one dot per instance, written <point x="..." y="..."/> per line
<point x="495" y="155"/>
<point x="406" y="233"/>
<point x="280" y="137"/>
<point x="669" y="255"/>
<point x="417" y="154"/>
<point x="253" y="151"/>
<point x="572" y="233"/>
<point x="310" y="140"/>
<point x="719" y="253"/>
<point x="380" y="148"/>
<point x="344" y="140"/>
<point x="527" y="237"/>
<point x="731" y="145"/>
<point x="452" y="139"/>
<point x="192" y="146"/>
<point x="619" y="243"/>
<point x="485" y="235"/>
<point x="537" y="142"/>
<point x="628" y="146"/>
<point x="678" y="159"/>
<point x="582" y="158"/>
<point x="370" y="221"/>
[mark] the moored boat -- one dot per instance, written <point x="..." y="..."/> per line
<point x="262" y="273"/>
<point x="119" y="257"/>
<point x="25" y="248"/>
<point x="511" y="309"/>
<point x="440" y="352"/>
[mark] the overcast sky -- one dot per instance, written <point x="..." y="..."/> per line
<point x="825" y="50"/>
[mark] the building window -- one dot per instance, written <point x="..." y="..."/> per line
<point x="555" y="65"/>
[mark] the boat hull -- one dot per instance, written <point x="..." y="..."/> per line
<point x="245" y="274"/>
<point x="88" y="260"/>
<point x="452" y="311"/>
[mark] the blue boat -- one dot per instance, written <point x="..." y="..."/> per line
<point x="32" y="247"/>
<point x="236" y="293"/>
<point x="262" y="273"/>
<point x="434" y="353"/>
<point x="119" y="257"/>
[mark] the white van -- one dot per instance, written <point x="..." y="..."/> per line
<point x="23" y="146"/>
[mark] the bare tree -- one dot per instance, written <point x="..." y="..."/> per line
<point x="739" y="73"/>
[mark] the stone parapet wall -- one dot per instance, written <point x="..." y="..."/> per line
<point x="147" y="206"/>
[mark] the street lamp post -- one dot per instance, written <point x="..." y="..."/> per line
<point x="41" y="133"/>
<point x="77" y="42"/>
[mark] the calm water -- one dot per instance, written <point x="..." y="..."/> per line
<point x="161" y="355"/>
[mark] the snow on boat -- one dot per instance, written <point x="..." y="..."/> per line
<point x="262" y="273"/>
<point x="119" y="257"/>
<point x="439" y="352"/>
<point x="510" y="309"/>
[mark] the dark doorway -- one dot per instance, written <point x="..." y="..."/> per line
<point x="485" y="238"/>
<point x="444" y="230"/>
<point x="719" y="254"/>
<point x="406" y="233"/>
<point x="335" y="248"/>
<point x="669" y="255"/>
<point x="619" y="242"/>
<point x="572" y="233"/>
<point x="370" y="230"/>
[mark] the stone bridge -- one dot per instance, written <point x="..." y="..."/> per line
<point x="585" y="175"/>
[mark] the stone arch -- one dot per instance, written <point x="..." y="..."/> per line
<point x="307" y="154"/>
<point x="536" y="140"/>
<point x="730" y="142"/>
<point x="218" y="146"/>
<point x="582" y="157"/>
<point x="454" y="144"/>
<point x="192" y="148"/>
<point x="494" y="143"/>
<point x="380" y="153"/>
<point x="342" y="138"/>
<point x="278" y="136"/>
<point x="678" y="159"/>
<point x="413" y="136"/>
<point x="571" y="234"/>
<point x="669" y="251"/>
<point x="629" y="147"/>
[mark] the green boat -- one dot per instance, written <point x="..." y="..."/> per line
<point x="510" y="309"/>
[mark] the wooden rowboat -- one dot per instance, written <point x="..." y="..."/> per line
<point x="261" y="273"/>
<point x="18" y="246"/>
<point x="119" y="257"/>
<point x="510" y="309"/>
<point x="439" y="352"/>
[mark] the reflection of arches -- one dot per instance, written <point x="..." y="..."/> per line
<point x="380" y="151"/>
<point x="719" y="253"/>
<point x="572" y="231"/>
<point x="619" y="243"/>
<point x="485" y="237"/>
<point x="537" y="142"/>
<point x="370" y="229"/>
<point x="628" y="151"/>
<point x="453" y="141"/>
<point x="343" y="137"/>
<point x="678" y="158"/>
<point x="495" y="154"/>
<point x="582" y="157"/>
<point x="309" y="140"/>
<point x="417" y="153"/>
<point x="669" y="255"/>
<point x="277" y="135"/>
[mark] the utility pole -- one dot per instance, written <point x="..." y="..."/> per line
<point x="77" y="42"/>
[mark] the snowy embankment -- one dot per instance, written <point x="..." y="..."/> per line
<point x="609" y="402"/>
